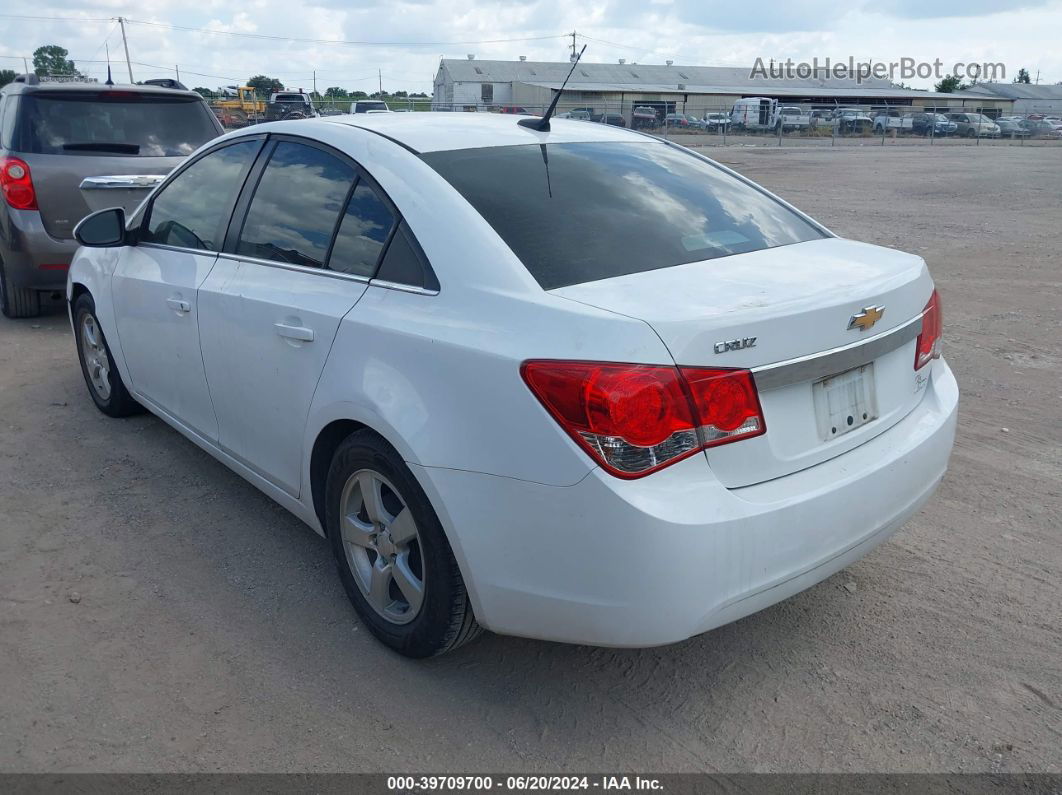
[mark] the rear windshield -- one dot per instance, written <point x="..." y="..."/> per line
<point x="127" y="125"/>
<point x="580" y="212"/>
<point x="363" y="106"/>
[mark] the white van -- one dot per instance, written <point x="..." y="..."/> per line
<point x="753" y="113"/>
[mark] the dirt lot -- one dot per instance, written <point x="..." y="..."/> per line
<point x="158" y="613"/>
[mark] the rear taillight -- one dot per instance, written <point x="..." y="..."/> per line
<point x="16" y="184"/>
<point x="928" y="347"/>
<point x="634" y="419"/>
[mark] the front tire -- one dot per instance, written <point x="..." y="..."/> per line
<point x="393" y="557"/>
<point x="102" y="378"/>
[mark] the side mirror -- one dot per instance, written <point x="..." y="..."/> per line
<point x="102" y="229"/>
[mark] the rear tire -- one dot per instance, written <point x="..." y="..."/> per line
<point x="399" y="533"/>
<point x="102" y="378"/>
<point x="17" y="302"/>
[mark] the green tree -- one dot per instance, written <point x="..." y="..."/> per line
<point x="949" y="85"/>
<point x="51" y="60"/>
<point x="206" y="93"/>
<point x="6" y="76"/>
<point x="264" y="86"/>
<point x="358" y="95"/>
<point x="335" y="92"/>
<point x="1023" y="76"/>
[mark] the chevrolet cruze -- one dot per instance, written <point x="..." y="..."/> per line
<point x="578" y="384"/>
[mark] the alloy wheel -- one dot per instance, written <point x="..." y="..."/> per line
<point x="97" y="363"/>
<point x="382" y="546"/>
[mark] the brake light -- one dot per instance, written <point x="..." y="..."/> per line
<point x="929" y="341"/>
<point x="16" y="183"/>
<point x="634" y="419"/>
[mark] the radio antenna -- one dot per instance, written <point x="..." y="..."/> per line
<point x="542" y="125"/>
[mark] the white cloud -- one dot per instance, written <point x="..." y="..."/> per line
<point x="1022" y="34"/>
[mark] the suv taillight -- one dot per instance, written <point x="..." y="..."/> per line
<point x="928" y="347"/>
<point x="634" y="419"/>
<point x="16" y="184"/>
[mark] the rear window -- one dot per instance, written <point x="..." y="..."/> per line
<point x="129" y="125"/>
<point x="580" y="212"/>
<point x="362" y="106"/>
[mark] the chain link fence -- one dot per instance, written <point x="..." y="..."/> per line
<point x="763" y="122"/>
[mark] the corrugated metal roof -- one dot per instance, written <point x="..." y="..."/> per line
<point x="1014" y="91"/>
<point x="660" y="78"/>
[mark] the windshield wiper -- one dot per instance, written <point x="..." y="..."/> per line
<point x="103" y="146"/>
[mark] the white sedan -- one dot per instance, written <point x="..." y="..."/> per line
<point x="579" y="384"/>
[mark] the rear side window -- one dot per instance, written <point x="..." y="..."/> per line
<point x="363" y="232"/>
<point x="296" y="206"/>
<point x="405" y="263"/>
<point x="193" y="209"/>
<point x="113" y="123"/>
<point x="7" y="123"/>
<point x="580" y="212"/>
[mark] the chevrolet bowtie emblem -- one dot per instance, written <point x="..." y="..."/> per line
<point x="866" y="317"/>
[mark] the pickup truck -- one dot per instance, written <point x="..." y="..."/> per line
<point x="893" y="121"/>
<point x="289" y="105"/>
<point x="644" y="117"/>
<point x="790" y="117"/>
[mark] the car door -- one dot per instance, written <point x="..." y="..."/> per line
<point x="312" y="230"/>
<point x="155" y="283"/>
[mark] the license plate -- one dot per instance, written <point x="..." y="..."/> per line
<point x="845" y="401"/>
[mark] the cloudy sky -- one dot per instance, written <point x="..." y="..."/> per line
<point x="403" y="41"/>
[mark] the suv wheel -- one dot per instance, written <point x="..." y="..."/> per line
<point x="97" y="365"/>
<point x="394" y="560"/>
<point x="17" y="302"/>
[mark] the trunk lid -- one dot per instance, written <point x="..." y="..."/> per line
<point x="65" y="196"/>
<point x="797" y="302"/>
<point x="69" y="132"/>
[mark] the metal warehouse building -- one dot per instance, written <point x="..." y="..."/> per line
<point x="470" y="84"/>
<point x="1020" y="98"/>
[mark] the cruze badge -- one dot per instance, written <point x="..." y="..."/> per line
<point x="866" y="317"/>
<point x="735" y="345"/>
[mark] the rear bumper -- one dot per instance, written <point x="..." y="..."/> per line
<point x="32" y="258"/>
<point x="653" y="561"/>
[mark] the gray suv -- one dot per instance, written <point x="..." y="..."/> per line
<point x="67" y="149"/>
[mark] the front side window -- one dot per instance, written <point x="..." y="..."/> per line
<point x="296" y="206"/>
<point x="363" y="232"/>
<point x="580" y="212"/>
<point x="193" y="209"/>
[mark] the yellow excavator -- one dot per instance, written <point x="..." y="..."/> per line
<point x="239" y="111"/>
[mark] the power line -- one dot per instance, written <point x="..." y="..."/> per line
<point x="269" y="37"/>
<point x="58" y="19"/>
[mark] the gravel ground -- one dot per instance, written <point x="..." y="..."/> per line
<point x="157" y="613"/>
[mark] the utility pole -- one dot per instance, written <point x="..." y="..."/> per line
<point x="177" y="69"/>
<point x="379" y="74"/>
<point x="315" y="82"/>
<point x="25" y="65"/>
<point x="125" y="44"/>
<point x="573" y="45"/>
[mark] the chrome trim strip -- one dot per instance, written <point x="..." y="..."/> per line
<point x="835" y="360"/>
<point x="289" y="266"/>
<point x="122" y="182"/>
<point x="404" y="288"/>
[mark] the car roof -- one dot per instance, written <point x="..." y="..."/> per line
<point x="95" y="88"/>
<point x="437" y="131"/>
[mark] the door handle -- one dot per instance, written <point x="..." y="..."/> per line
<point x="294" y="332"/>
<point x="177" y="305"/>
